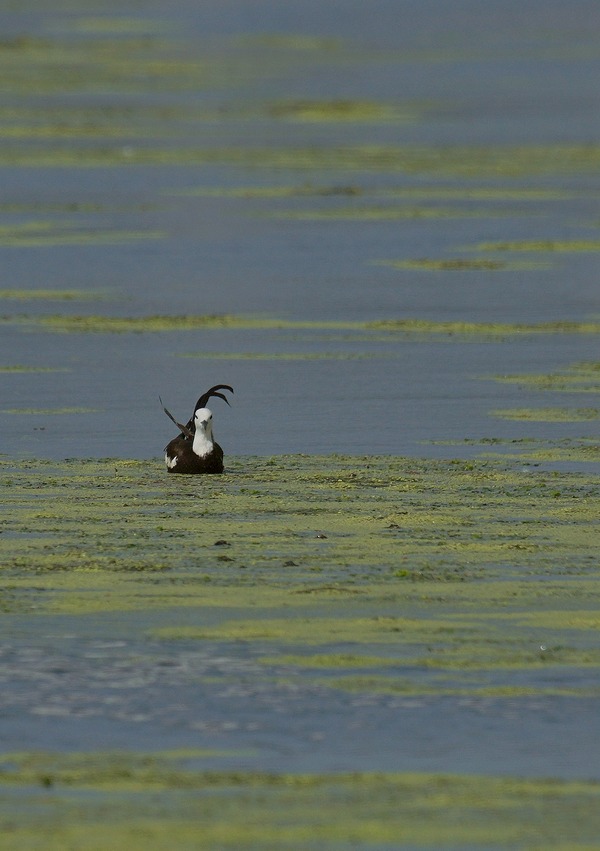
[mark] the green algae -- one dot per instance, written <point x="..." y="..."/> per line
<point x="582" y="377"/>
<point x="449" y="644"/>
<point x="97" y="324"/>
<point x="409" y="327"/>
<point x="163" y="800"/>
<point x="459" y="161"/>
<point x="395" y="686"/>
<point x="23" y="369"/>
<point x="48" y="295"/>
<point x="548" y="415"/>
<point x="50" y="411"/>
<point x="344" y="111"/>
<point x="572" y="245"/>
<point x="307" y="190"/>
<point x="485" y="329"/>
<point x="426" y="563"/>
<point x="352" y="189"/>
<point x="586" y="452"/>
<point x="327" y="660"/>
<point x="384" y="213"/>
<point x="458" y="265"/>
<point x="417" y="579"/>
<point x="42" y="234"/>
<point x="284" y="356"/>
<point x="117" y="62"/>
<point x="121" y="25"/>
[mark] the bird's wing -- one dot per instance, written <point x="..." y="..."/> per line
<point x="183" y="428"/>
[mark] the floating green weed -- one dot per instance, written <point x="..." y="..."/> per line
<point x="165" y="800"/>
<point x="116" y="26"/>
<point x="64" y="323"/>
<point x="384" y="213"/>
<point x="577" y="378"/>
<point x="48" y="295"/>
<point x="284" y="356"/>
<point x="423" y="560"/>
<point x="548" y="415"/>
<point x="453" y="162"/>
<point x="48" y="411"/>
<point x="572" y="245"/>
<point x="485" y="329"/>
<point x="457" y="265"/>
<point x="21" y="368"/>
<point x="47" y="234"/>
<point x="353" y="189"/>
<point x="269" y="191"/>
<point x="316" y="111"/>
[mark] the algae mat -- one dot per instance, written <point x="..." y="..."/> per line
<point x="408" y="634"/>
<point x="163" y="801"/>
<point x="437" y="566"/>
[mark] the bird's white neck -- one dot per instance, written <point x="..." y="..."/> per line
<point x="203" y="440"/>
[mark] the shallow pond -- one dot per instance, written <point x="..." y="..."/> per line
<point x="380" y="628"/>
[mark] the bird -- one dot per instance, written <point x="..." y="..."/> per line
<point x="195" y="450"/>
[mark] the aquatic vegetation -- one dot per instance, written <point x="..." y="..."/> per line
<point x="49" y="233"/>
<point x="48" y="295"/>
<point x="485" y="329"/>
<point x="116" y="26"/>
<point x="22" y="368"/>
<point x="48" y="411"/>
<point x="420" y="563"/>
<point x="538" y="450"/>
<point x="384" y="213"/>
<point x="341" y="111"/>
<point x="548" y="415"/>
<point x="366" y="189"/>
<point x="457" y="265"/>
<point x="169" y="799"/>
<point x="98" y="324"/>
<point x="278" y="191"/>
<point x="565" y="245"/>
<point x="459" y="161"/>
<point x="284" y="356"/>
<point x="577" y="378"/>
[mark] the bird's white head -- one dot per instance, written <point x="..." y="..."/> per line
<point x="203" y="436"/>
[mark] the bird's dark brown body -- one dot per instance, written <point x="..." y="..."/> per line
<point x="181" y="458"/>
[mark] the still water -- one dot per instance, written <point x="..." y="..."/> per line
<point x="309" y="169"/>
<point x="303" y="163"/>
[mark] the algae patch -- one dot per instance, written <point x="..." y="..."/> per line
<point x="548" y="415"/>
<point x="48" y="295"/>
<point x="573" y="245"/>
<point x="582" y="377"/>
<point x="341" y="111"/>
<point x="49" y="411"/>
<point x="284" y="356"/>
<point x="24" y="369"/>
<point x="169" y="800"/>
<point x="458" y="264"/>
<point x="409" y="327"/>
<point x="416" y="562"/>
<point x="47" y="234"/>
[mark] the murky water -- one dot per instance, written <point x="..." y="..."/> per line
<point x="306" y="171"/>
